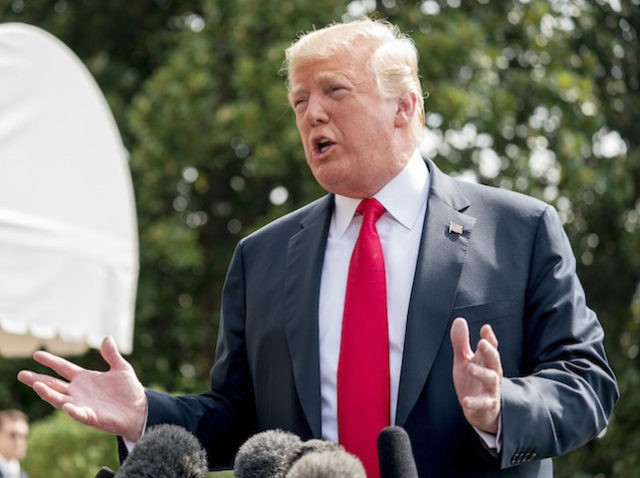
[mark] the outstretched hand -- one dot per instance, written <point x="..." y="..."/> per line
<point x="477" y="376"/>
<point x="113" y="401"/>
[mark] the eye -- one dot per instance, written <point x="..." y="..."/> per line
<point x="299" y="101"/>
<point x="337" y="91"/>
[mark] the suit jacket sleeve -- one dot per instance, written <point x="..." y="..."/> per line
<point x="223" y="417"/>
<point x="567" y="392"/>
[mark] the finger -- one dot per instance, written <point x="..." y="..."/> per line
<point x="483" y="413"/>
<point x="486" y="332"/>
<point x="80" y="414"/>
<point x="49" y="395"/>
<point x="460" y="340"/>
<point x="30" y="378"/>
<point x="111" y="354"/>
<point x="479" y="403"/>
<point x="488" y="377"/>
<point x="62" y="367"/>
<point x="88" y="416"/>
<point x="489" y="356"/>
<point x="27" y="377"/>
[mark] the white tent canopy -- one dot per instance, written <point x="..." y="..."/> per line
<point x="68" y="233"/>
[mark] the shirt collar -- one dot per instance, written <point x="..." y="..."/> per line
<point x="402" y="197"/>
<point x="9" y="466"/>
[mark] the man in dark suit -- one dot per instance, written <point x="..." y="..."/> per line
<point x="464" y="264"/>
<point x="14" y="431"/>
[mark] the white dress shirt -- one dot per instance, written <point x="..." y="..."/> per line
<point x="9" y="468"/>
<point x="400" y="229"/>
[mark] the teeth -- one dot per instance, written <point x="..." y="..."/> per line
<point x="323" y="145"/>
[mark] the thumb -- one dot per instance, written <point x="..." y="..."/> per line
<point x="460" y="340"/>
<point x="111" y="354"/>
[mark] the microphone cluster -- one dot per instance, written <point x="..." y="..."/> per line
<point x="280" y="454"/>
<point x="170" y="451"/>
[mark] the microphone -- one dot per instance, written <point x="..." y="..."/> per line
<point x="395" y="455"/>
<point x="105" y="472"/>
<point x="280" y="454"/>
<point x="266" y="454"/>
<point x="164" y="451"/>
<point x="315" y="445"/>
<point x="327" y="464"/>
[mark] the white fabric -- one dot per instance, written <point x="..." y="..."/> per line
<point x="9" y="468"/>
<point x="400" y="228"/>
<point x="68" y="233"/>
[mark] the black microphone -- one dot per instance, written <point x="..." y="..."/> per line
<point x="164" y="451"/>
<point x="105" y="472"/>
<point x="395" y="455"/>
<point x="266" y="455"/>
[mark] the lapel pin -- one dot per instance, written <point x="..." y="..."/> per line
<point x="455" y="228"/>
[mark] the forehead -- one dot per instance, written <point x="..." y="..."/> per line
<point x="13" y="424"/>
<point x="350" y="66"/>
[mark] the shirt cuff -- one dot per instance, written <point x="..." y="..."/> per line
<point x="494" y="442"/>
<point x="130" y="445"/>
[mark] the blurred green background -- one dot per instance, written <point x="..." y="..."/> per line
<point x="538" y="96"/>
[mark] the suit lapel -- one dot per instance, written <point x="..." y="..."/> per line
<point x="442" y="253"/>
<point x="301" y="294"/>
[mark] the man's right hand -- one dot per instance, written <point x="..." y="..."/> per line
<point x="113" y="401"/>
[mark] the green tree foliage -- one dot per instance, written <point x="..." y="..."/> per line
<point x="60" y="447"/>
<point x="538" y="96"/>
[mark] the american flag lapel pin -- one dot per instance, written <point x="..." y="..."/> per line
<point x="455" y="228"/>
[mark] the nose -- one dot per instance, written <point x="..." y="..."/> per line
<point x="316" y="111"/>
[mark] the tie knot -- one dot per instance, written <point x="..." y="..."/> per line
<point x="371" y="209"/>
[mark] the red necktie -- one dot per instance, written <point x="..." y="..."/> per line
<point x="363" y="366"/>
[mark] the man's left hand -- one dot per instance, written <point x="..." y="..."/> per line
<point x="477" y="376"/>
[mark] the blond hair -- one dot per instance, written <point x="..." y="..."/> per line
<point x="393" y="57"/>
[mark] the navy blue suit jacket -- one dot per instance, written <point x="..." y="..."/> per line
<point x="511" y="267"/>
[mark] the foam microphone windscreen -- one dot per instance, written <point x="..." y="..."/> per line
<point x="266" y="455"/>
<point x="327" y="464"/>
<point x="395" y="454"/>
<point x="165" y="451"/>
<point x="311" y="446"/>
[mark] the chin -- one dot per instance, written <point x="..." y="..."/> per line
<point x="327" y="176"/>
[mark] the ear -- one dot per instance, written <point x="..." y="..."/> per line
<point x="406" y="109"/>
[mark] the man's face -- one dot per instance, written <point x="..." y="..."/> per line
<point x="13" y="439"/>
<point x="348" y="130"/>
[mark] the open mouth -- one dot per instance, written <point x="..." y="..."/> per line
<point x="321" y="145"/>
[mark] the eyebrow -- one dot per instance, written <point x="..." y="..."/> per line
<point x="295" y="91"/>
<point x="327" y="77"/>
<point x="321" y="77"/>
